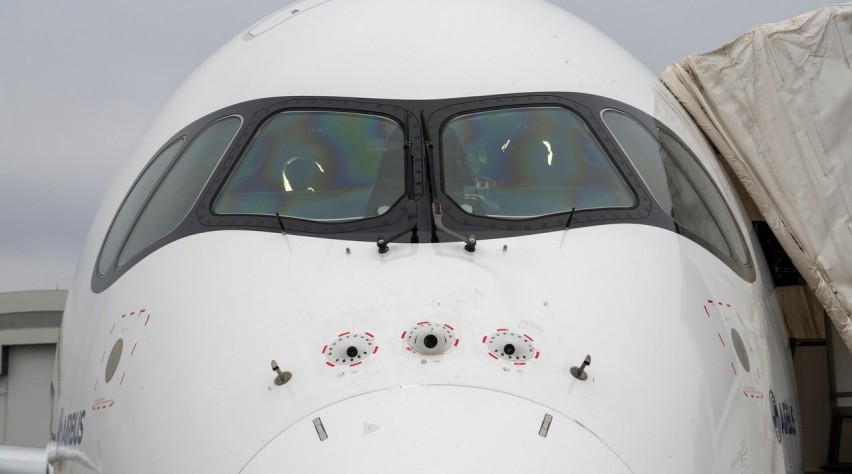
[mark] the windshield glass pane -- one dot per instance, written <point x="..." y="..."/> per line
<point x="528" y="162"/>
<point x="710" y="194"/>
<point x="679" y="184"/>
<point x="318" y="165"/>
<point x="177" y="192"/>
<point x="134" y="202"/>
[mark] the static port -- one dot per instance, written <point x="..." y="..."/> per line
<point x="351" y="351"/>
<point x="509" y="349"/>
<point x="430" y="341"/>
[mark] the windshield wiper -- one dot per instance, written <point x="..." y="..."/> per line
<point x="382" y="242"/>
<point x="470" y="241"/>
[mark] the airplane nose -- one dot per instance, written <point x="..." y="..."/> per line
<point x="435" y="429"/>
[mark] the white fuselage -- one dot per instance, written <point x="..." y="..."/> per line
<point x="190" y="387"/>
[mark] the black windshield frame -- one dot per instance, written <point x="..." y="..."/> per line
<point x="424" y="186"/>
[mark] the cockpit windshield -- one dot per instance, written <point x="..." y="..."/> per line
<point x="528" y="162"/>
<point x="318" y="165"/>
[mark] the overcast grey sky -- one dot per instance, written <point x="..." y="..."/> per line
<point x="79" y="80"/>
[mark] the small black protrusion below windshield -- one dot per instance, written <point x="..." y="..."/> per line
<point x="570" y="216"/>
<point x="281" y="224"/>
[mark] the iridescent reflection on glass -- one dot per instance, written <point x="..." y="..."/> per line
<point x="318" y="165"/>
<point x="528" y="162"/>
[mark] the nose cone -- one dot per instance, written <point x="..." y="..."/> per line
<point x="433" y="429"/>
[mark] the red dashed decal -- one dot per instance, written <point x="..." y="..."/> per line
<point x="369" y="334"/>
<point x="123" y="315"/>
<point x="749" y="345"/>
<point x="721" y="304"/>
<point x="343" y="334"/>
<point x="708" y="312"/>
<point x="530" y="339"/>
<point x="422" y="323"/>
<point x="493" y="356"/>
<point x="134" y="348"/>
<point x="502" y="330"/>
<point x="324" y="348"/>
<point x="375" y="349"/>
<point x="141" y="311"/>
<point x="520" y="363"/>
<point x="122" y="378"/>
<point x="728" y="305"/>
<point x="720" y="339"/>
<point x="484" y="338"/>
<point x="740" y="318"/>
<point x="102" y="356"/>
<point x="329" y="364"/>
<point x="356" y="363"/>
<point x="96" y="384"/>
<point x="710" y="301"/>
<point x="132" y="313"/>
<point x="456" y="343"/>
<point x="734" y="368"/>
<point x="111" y="330"/>
<point x="536" y="354"/>
<point x="146" y="319"/>
<point x="403" y="334"/>
<point x="449" y="327"/>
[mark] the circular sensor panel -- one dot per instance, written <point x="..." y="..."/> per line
<point x="350" y="349"/>
<point x="511" y="346"/>
<point x="430" y="338"/>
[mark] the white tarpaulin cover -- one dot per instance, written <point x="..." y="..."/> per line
<point x="777" y="103"/>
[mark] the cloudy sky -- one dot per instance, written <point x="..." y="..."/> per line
<point x="80" y="79"/>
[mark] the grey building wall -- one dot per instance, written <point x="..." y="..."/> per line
<point x="29" y="331"/>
